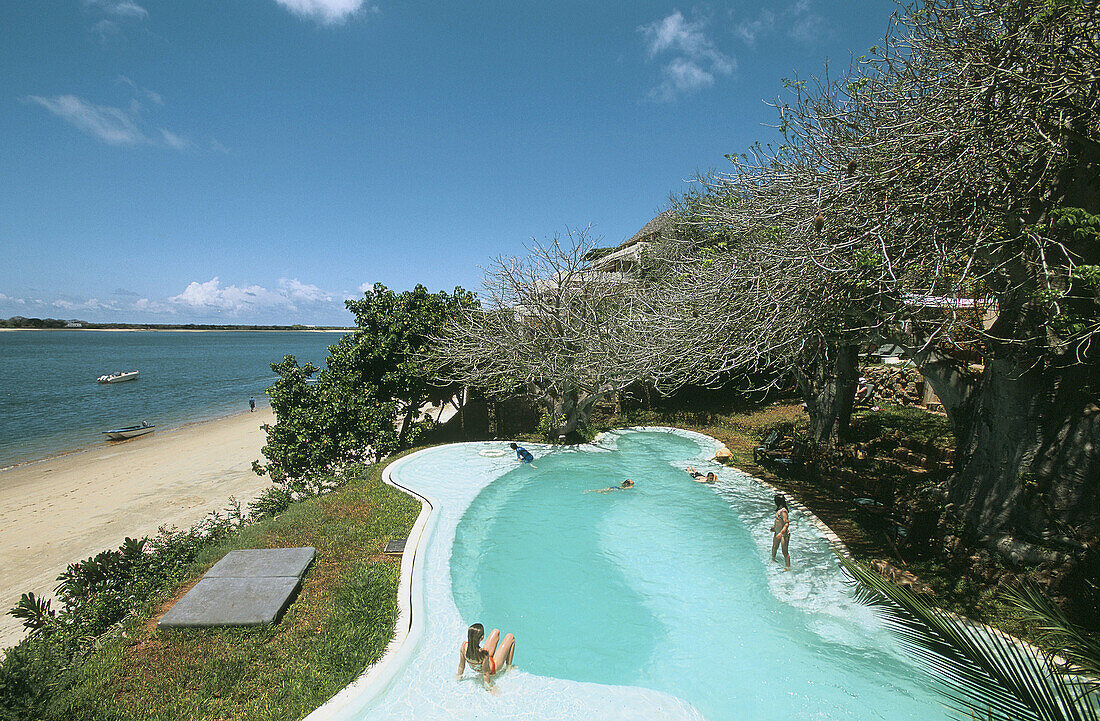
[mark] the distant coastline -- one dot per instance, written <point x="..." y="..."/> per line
<point x="21" y="323"/>
<point x="184" y="329"/>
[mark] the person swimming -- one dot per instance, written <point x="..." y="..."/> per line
<point x="624" y="486"/>
<point x="522" y="453"/>
<point x="699" y="477"/>
<point x="488" y="660"/>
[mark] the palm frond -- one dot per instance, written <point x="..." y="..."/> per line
<point x="978" y="670"/>
<point x="1079" y="650"/>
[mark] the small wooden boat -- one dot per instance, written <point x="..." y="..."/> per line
<point x="121" y="434"/>
<point x="118" y="377"/>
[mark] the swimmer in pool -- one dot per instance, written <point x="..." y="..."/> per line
<point x="624" y="486"/>
<point x="523" y="454"/>
<point x="699" y="477"/>
<point x="488" y="660"/>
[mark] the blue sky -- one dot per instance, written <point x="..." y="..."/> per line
<point x="259" y="161"/>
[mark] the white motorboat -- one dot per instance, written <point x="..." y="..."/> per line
<point x="118" y="377"/>
<point x="121" y="434"/>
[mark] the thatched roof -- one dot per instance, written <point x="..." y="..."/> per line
<point x="653" y="228"/>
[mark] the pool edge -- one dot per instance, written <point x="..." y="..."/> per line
<point x="410" y="612"/>
<point x="408" y="607"/>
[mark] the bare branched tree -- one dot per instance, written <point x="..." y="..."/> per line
<point x="948" y="179"/>
<point x="549" y="326"/>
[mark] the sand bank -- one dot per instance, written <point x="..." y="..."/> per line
<point x="65" y="509"/>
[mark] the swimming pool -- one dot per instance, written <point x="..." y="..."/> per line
<point x="658" y="602"/>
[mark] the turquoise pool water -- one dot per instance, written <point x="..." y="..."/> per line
<point x="655" y="603"/>
<point x="665" y="587"/>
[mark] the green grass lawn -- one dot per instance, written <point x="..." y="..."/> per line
<point x="340" y="623"/>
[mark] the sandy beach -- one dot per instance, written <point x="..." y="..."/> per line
<point x="61" y="510"/>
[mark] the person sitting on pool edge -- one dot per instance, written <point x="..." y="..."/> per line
<point x="489" y="659"/>
<point x="522" y="453"/>
<point x="624" y="486"/>
<point x="699" y="477"/>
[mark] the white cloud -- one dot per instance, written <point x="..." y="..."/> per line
<point x="211" y="296"/>
<point x="9" y="299"/>
<point x="685" y="75"/>
<point x="113" y="126"/>
<point x="174" y="141"/>
<point x="749" y="30"/>
<point x="154" y="97"/>
<point x="297" y="291"/>
<point x="799" y="19"/>
<point x="118" y="8"/>
<point x="328" y="12"/>
<point x="695" y="62"/>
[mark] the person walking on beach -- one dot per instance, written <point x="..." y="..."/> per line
<point x="781" y="529"/>
<point x="251" y="405"/>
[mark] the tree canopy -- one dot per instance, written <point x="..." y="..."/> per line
<point x="364" y="405"/>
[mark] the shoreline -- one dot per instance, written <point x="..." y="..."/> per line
<point x="189" y="330"/>
<point x="63" y="509"/>
<point x="163" y="430"/>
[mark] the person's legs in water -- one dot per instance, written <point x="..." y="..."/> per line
<point x="490" y="644"/>
<point x="505" y="651"/>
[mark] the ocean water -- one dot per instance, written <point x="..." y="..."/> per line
<point x="658" y="603"/>
<point x="50" y="401"/>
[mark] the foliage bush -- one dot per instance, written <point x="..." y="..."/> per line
<point x="345" y="414"/>
<point x="96" y="596"/>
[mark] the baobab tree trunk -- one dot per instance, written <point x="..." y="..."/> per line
<point x="568" y="410"/>
<point x="828" y="386"/>
<point x="953" y="383"/>
<point x="1028" y="468"/>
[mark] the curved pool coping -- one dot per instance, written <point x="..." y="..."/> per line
<point x="410" y="619"/>
<point x="410" y="616"/>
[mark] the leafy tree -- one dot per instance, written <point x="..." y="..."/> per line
<point x="364" y="405"/>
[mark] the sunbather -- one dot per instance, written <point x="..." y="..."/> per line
<point x="488" y="660"/>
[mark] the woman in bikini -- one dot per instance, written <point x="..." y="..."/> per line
<point x="489" y="659"/>
<point x="781" y="529"/>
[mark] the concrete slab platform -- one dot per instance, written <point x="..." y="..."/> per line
<point x="244" y="588"/>
<point x="263" y="563"/>
<point x="232" y="602"/>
